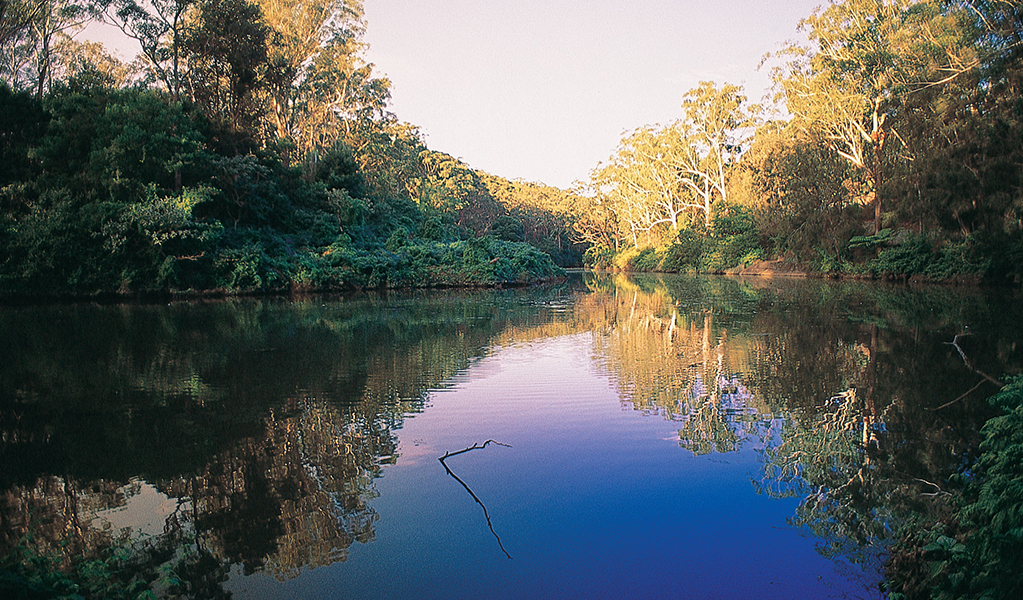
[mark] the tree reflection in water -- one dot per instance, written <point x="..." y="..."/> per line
<point x="296" y="496"/>
<point x="263" y="425"/>
<point x="837" y="384"/>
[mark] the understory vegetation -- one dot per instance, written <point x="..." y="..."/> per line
<point x="247" y="149"/>
<point x="975" y="550"/>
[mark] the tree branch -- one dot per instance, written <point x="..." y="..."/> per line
<point x="955" y="344"/>
<point x="468" y="489"/>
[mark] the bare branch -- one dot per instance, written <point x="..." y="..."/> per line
<point x="486" y="514"/>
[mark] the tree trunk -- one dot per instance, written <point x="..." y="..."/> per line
<point x="877" y="201"/>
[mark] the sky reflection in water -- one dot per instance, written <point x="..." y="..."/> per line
<point x="592" y="500"/>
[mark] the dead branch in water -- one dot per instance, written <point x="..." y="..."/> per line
<point x="486" y="514"/>
<point x="969" y="365"/>
<point x="966" y="361"/>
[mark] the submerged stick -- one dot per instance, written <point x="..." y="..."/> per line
<point x="966" y="361"/>
<point x="486" y="514"/>
<point x="969" y="365"/>
<point x="967" y="393"/>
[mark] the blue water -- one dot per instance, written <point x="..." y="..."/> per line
<point x="288" y="447"/>
<point x="592" y="499"/>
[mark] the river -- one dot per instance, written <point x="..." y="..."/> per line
<point x="611" y="436"/>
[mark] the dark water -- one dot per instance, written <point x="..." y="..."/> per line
<point x="653" y="437"/>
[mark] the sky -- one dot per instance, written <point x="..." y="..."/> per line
<point x="542" y="90"/>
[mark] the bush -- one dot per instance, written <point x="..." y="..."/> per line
<point x="976" y="554"/>
<point x="647" y="260"/>
<point x="685" y="253"/>
<point x="599" y="257"/>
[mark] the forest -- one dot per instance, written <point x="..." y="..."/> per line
<point x="250" y="147"/>
<point x="893" y="149"/>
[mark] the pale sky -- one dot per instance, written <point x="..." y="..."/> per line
<point x="542" y="90"/>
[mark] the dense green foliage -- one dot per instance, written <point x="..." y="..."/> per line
<point x="902" y="116"/>
<point x="975" y="552"/>
<point x="250" y="152"/>
<point x="123" y="191"/>
<point x="250" y="147"/>
<point x="733" y="241"/>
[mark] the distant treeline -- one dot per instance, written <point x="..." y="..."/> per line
<point x="247" y="148"/>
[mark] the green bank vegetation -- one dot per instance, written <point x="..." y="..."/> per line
<point x="974" y="550"/>
<point x="248" y="147"/>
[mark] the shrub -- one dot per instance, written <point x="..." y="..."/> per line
<point x="647" y="260"/>
<point x="976" y="554"/>
<point x="599" y="257"/>
<point x="685" y="253"/>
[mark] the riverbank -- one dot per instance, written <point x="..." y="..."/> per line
<point x="479" y="262"/>
<point x="785" y="268"/>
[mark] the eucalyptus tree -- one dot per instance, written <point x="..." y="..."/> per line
<point x="667" y="178"/>
<point x="864" y="61"/>
<point x="643" y="184"/>
<point x="16" y="18"/>
<point x="718" y="123"/>
<point x="227" y="52"/>
<point x="546" y="214"/>
<point x="159" y="26"/>
<point x="800" y="191"/>
<point x="319" y="89"/>
<point x="595" y="222"/>
<point x="966" y="135"/>
<point x="30" y="34"/>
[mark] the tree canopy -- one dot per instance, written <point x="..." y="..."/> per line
<point x="248" y="147"/>
<point x="894" y="151"/>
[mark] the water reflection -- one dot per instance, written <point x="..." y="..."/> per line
<point x="844" y="387"/>
<point x="263" y="423"/>
<point x="172" y="444"/>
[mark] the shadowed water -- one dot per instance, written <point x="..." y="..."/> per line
<point x="656" y="437"/>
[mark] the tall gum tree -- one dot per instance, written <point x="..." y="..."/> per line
<point x="669" y="177"/>
<point x="31" y="32"/>
<point x="864" y="58"/>
<point x="320" y="89"/>
<point x="159" y="27"/>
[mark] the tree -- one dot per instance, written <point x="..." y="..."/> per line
<point x="16" y="16"/>
<point x="30" y="32"/>
<point x="645" y="184"/>
<point x="865" y="58"/>
<point x="666" y="178"/>
<point x="159" y="26"/>
<point x="89" y="60"/>
<point x="318" y="88"/>
<point x="545" y="212"/>
<point x="965" y="135"/>
<point x="227" y="49"/>
<point x="799" y="190"/>
<point x="718" y="125"/>
<point x="595" y="222"/>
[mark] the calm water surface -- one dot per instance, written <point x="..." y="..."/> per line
<point x="652" y="437"/>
